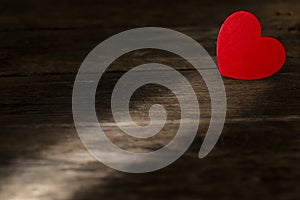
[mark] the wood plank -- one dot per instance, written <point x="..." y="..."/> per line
<point x="41" y="157"/>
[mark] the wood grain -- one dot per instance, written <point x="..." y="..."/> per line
<point x="41" y="157"/>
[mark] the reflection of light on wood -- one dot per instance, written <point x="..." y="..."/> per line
<point x="53" y="175"/>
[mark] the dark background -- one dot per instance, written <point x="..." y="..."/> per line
<point x="42" y="44"/>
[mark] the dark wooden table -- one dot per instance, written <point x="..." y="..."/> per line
<point x="41" y="157"/>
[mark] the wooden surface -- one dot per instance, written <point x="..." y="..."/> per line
<point x="41" y="157"/>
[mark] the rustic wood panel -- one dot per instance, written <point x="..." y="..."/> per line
<point x="41" y="157"/>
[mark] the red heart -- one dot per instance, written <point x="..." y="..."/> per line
<point x="243" y="53"/>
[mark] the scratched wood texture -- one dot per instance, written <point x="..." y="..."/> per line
<point x="42" y="44"/>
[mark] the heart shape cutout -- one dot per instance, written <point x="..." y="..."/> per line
<point x="242" y="52"/>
